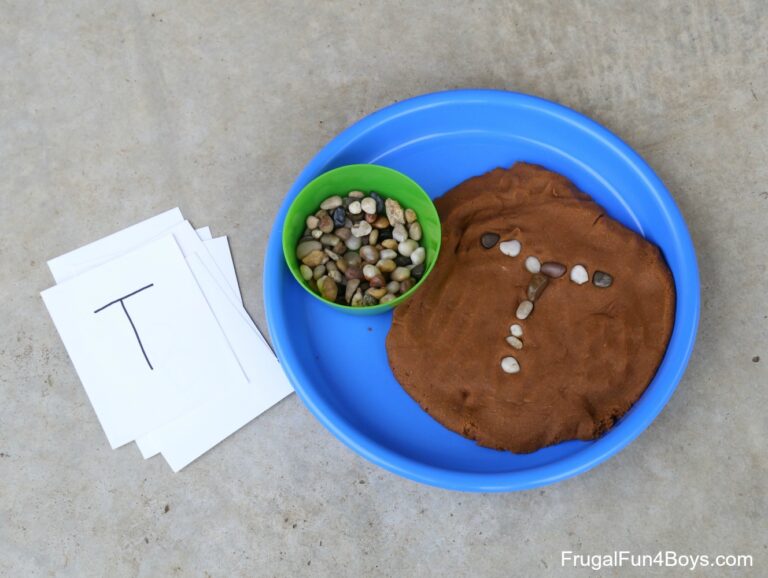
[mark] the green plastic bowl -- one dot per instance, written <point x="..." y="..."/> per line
<point x="366" y="178"/>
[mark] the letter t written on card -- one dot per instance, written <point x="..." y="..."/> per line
<point x="143" y="339"/>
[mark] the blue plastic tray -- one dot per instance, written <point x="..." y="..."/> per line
<point x="338" y="363"/>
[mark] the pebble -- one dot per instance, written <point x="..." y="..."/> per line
<point x="515" y="342"/>
<point x="373" y="237"/>
<point x="353" y="243"/>
<point x="532" y="264"/>
<point x="602" y="279"/>
<point x="314" y="258"/>
<point x="378" y="293"/>
<point x="370" y="271"/>
<point x="329" y="239"/>
<point x="339" y="216"/>
<point x="511" y="248"/>
<point x="379" y="202"/>
<point x="357" y="299"/>
<point x="306" y="272"/>
<point x="386" y="265"/>
<point x="317" y="233"/>
<point x="385" y="233"/>
<point x="354" y="272"/>
<point x="399" y="233"/>
<point x="355" y="208"/>
<point x="328" y="288"/>
<point x="510" y="365"/>
<point x="369" y="254"/>
<point x="393" y="286"/>
<point x="414" y="231"/>
<point x="352" y="258"/>
<point x="331" y="265"/>
<point x="332" y="255"/>
<point x="489" y="240"/>
<point x="342" y="265"/>
<point x="381" y="223"/>
<point x="331" y="203"/>
<point x="361" y="229"/>
<point x="388" y="253"/>
<point x="403" y="261"/>
<point x="343" y="233"/>
<point x="516" y="329"/>
<point x="387" y="298"/>
<point x="326" y="223"/>
<point x="352" y="286"/>
<point x="524" y="309"/>
<point x="407" y="285"/>
<point x="536" y="286"/>
<point x="377" y="281"/>
<point x="336" y="276"/>
<point x="410" y="216"/>
<point x="339" y="248"/>
<point x="368" y="205"/>
<point x="553" y="269"/>
<point x="579" y="274"/>
<point x="418" y="256"/>
<point x="407" y="247"/>
<point x="356" y="194"/>
<point x="418" y="271"/>
<point x="401" y="274"/>
<point x="389" y="244"/>
<point x="312" y="222"/>
<point x="369" y="300"/>
<point x="394" y="212"/>
<point x="370" y="219"/>
<point x="305" y="248"/>
<point x="318" y="272"/>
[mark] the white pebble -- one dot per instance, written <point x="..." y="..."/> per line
<point x="515" y="342"/>
<point x="418" y="256"/>
<point x="355" y="208"/>
<point x="368" y="205"/>
<point x="516" y="329"/>
<point x="361" y="229"/>
<point x="331" y="203"/>
<point x="399" y="233"/>
<point x="388" y="254"/>
<point x="533" y="265"/>
<point x="524" y="309"/>
<point x="511" y="248"/>
<point x="510" y="365"/>
<point x="579" y="274"/>
<point x="407" y="247"/>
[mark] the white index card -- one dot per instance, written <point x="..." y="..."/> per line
<point x="143" y="340"/>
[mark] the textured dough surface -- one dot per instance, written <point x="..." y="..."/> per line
<point x="589" y="352"/>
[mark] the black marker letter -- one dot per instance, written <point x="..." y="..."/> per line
<point x="128" y="315"/>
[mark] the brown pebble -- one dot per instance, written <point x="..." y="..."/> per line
<point x="536" y="286"/>
<point x="353" y="272"/>
<point x="553" y="269"/>
<point x="370" y="219"/>
<point x="328" y="288"/>
<point x="489" y="240"/>
<point x="381" y="222"/>
<point x="326" y="222"/>
<point x="314" y="258"/>
<point x="349" y="292"/>
<point x="602" y="279"/>
<point x="377" y="292"/>
<point x="377" y="281"/>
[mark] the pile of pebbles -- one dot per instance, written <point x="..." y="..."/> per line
<point x="541" y="275"/>
<point x="361" y="250"/>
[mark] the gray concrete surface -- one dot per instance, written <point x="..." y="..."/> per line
<point x="112" y="111"/>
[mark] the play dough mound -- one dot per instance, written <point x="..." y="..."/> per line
<point x="591" y="344"/>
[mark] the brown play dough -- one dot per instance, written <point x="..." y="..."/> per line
<point x="589" y="352"/>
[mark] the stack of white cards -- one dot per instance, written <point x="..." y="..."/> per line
<point x="154" y="323"/>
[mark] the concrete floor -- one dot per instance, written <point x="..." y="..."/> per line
<point x="113" y="111"/>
